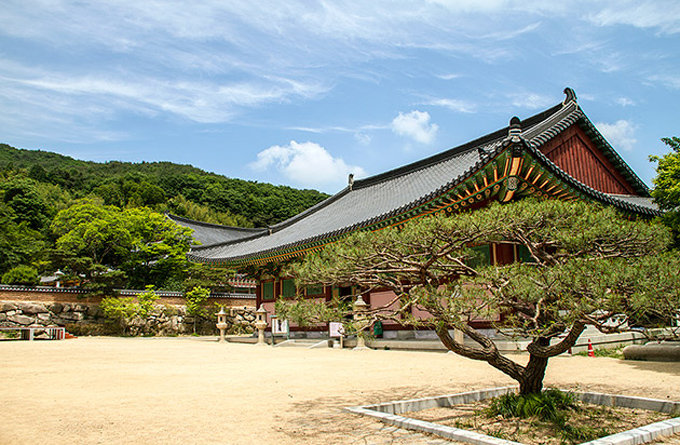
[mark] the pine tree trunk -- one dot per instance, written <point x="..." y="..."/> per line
<point x="532" y="377"/>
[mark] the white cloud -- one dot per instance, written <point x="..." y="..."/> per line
<point x="457" y="105"/>
<point x="100" y="94"/>
<point x="625" y="101"/>
<point x="663" y="15"/>
<point x="306" y="164"/>
<point x="671" y="81"/>
<point x="448" y="76"/>
<point x="621" y="134"/>
<point x="415" y="125"/>
<point x="217" y="59"/>
<point x="531" y="101"/>
<point x="362" y="138"/>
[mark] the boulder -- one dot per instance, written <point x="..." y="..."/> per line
<point x="5" y="306"/>
<point x="73" y="316"/>
<point x="31" y="308"/>
<point x="655" y="352"/>
<point x="56" y="307"/>
<point x="21" y="319"/>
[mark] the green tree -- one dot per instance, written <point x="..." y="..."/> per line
<point x="196" y="303"/>
<point x="143" y="244"/>
<point x="125" y="310"/>
<point x="22" y="196"/>
<point x="89" y="229"/>
<point x="214" y="278"/>
<point x="666" y="191"/>
<point x="158" y="248"/>
<point x="24" y="275"/>
<point x="587" y="264"/>
<point x="19" y="243"/>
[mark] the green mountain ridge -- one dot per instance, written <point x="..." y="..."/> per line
<point x="164" y="186"/>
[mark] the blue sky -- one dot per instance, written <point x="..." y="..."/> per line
<point x="302" y="93"/>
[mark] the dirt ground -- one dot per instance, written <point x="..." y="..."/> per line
<point x="198" y="391"/>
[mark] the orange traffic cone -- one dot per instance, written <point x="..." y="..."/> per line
<point x="591" y="351"/>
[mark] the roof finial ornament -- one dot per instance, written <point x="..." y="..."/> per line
<point x="350" y="180"/>
<point x="571" y="96"/>
<point x="515" y="129"/>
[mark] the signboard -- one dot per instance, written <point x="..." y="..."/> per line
<point x="336" y="329"/>
<point x="279" y="327"/>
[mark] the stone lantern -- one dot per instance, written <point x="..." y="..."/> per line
<point x="261" y="324"/>
<point x="360" y="309"/>
<point x="221" y="322"/>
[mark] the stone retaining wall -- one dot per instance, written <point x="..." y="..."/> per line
<point x="86" y="318"/>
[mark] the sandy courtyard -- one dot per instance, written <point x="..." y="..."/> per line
<point x="190" y="390"/>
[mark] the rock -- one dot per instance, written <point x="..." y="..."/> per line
<point x="31" y="308"/>
<point x="21" y="319"/>
<point x="3" y="316"/>
<point x="5" y="306"/>
<point x="96" y="312"/>
<point x="56" y="307"/>
<point x="81" y="308"/>
<point x="658" y="352"/>
<point x="73" y="316"/>
<point x="10" y="313"/>
<point x="44" y="316"/>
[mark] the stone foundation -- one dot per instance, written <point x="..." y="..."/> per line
<point x="88" y="319"/>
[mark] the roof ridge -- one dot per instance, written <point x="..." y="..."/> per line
<point x="213" y="225"/>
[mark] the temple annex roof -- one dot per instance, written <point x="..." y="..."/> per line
<point x="505" y="164"/>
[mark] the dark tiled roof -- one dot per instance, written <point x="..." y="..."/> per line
<point x="379" y="197"/>
<point x="640" y="201"/>
<point x="207" y="233"/>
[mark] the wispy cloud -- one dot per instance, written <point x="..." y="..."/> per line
<point x="99" y="95"/>
<point x="662" y="15"/>
<point x="625" y="101"/>
<point x="460" y="106"/>
<point x="216" y="60"/>
<point x="668" y="80"/>
<point x="449" y="76"/>
<point x="531" y="101"/>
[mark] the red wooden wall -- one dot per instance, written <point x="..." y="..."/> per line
<point x="575" y="153"/>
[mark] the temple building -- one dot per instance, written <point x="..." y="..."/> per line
<point x="556" y="153"/>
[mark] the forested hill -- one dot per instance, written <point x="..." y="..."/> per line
<point x="163" y="186"/>
<point x="101" y="224"/>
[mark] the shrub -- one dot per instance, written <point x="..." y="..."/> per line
<point x="125" y="309"/>
<point x="24" y="275"/>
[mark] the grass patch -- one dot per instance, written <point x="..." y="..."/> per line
<point x="547" y="405"/>
<point x="616" y="352"/>
<point x="552" y="417"/>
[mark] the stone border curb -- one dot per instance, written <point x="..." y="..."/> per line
<point x="389" y="413"/>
